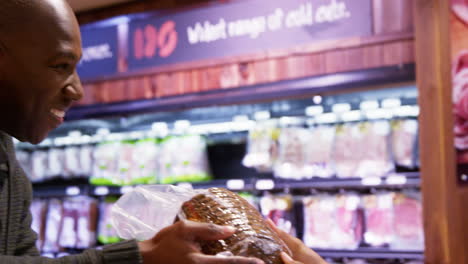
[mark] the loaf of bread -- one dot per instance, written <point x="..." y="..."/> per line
<point x="253" y="237"/>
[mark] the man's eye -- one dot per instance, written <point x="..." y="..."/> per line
<point x="61" y="66"/>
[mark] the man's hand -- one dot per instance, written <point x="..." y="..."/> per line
<point x="301" y="254"/>
<point x="177" y="244"/>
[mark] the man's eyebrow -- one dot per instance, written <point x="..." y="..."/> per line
<point x="68" y="55"/>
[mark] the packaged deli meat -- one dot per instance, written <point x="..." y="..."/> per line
<point x="107" y="233"/>
<point x="318" y="146"/>
<point x="349" y="220"/>
<point x="408" y="224"/>
<point x="404" y="140"/>
<point x="375" y="159"/>
<point x="126" y="168"/>
<point x="183" y="159"/>
<point x="262" y="146"/>
<point x="38" y="213"/>
<point x="348" y="149"/>
<point x="333" y="221"/>
<point x="379" y="219"/>
<point x="280" y="209"/>
<point x="158" y="206"/>
<point x="145" y="157"/>
<point x="86" y="223"/>
<point x="39" y="165"/>
<point x="290" y="161"/>
<point x="105" y="166"/>
<point x="68" y="232"/>
<point x="72" y="164"/>
<point x="319" y="221"/>
<point x="56" y="163"/>
<point x="53" y="226"/>
<point x="86" y="160"/>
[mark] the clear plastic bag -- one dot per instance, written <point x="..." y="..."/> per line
<point x="146" y="210"/>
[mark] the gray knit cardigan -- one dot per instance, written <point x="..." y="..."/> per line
<point x="17" y="239"/>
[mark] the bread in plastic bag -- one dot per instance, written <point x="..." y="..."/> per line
<point x="146" y="210"/>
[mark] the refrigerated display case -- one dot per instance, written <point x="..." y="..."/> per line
<point x="342" y="128"/>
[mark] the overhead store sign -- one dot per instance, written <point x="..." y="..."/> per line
<point x="243" y="27"/>
<point x="100" y="52"/>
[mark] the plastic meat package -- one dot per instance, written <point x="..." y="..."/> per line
<point x="39" y="165"/>
<point x="126" y="168"/>
<point x="72" y="164"/>
<point x="38" y="213"/>
<point x="56" y="161"/>
<point x="53" y="226"/>
<point x="79" y="223"/>
<point x="105" y="165"/>
<point x="86" y="160"/>
<point x="363" y="150"/>
<point x="262" y="147"/>
<point x="332" y="222"/>
<point x="145" y="158"/>
<point x="319" y="221"/>
<point x="349" y="218"/>
<point x="280" y="209"/>
<point x="379" y="219"/>
<point x="141" y="213"/>
<point x="347" y="149"/>
<point x="107" y="233"/>
<point x="290" y="161"/>
<point x="404" y="140"/>
<point x="318" y="146"/>
<point x="375" y="159"/>
<point x="408" y="223"/>
<point x="183" y="159"/>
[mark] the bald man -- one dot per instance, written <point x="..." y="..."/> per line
<point x="40" y="47"/>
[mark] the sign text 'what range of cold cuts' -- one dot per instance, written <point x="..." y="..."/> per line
<point x="244" y="27"/>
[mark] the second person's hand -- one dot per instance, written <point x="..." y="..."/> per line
<point x="301" y="254"/>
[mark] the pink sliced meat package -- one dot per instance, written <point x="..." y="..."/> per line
<point x="408" y="223"/>
<point x="404" y="137"/>
<point x="349" y="220"/>
<point x="53" y="226"/>
<point x="280" y="209"/>
<point x="347" y="149"/>
<point x="319" y="221"/>
<point x="378" y="219"/>
<point x="375" y="159"/>
<point x="290" y="162"/>
<point x="318" y="146"/>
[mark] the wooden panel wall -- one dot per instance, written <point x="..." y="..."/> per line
<point x="249" y="72"/>
<point x="391" y="44"/>
<point x="444" y="201"/>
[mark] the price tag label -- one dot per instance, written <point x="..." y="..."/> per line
<point x="126" y="189"/>
<point x="396" y="179"/>
<point x="235" y="184"/>
<point x="371" y="181"/>
<point x="265" y="185"/>
<point x="101" y="191"/>
<point x="73" y="190"/>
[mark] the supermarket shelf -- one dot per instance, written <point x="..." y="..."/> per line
<point x="371" y="253"/>
<point x="395" y="180"/>
<point x="361" y="253"/>
<point x="410" y="179"/>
